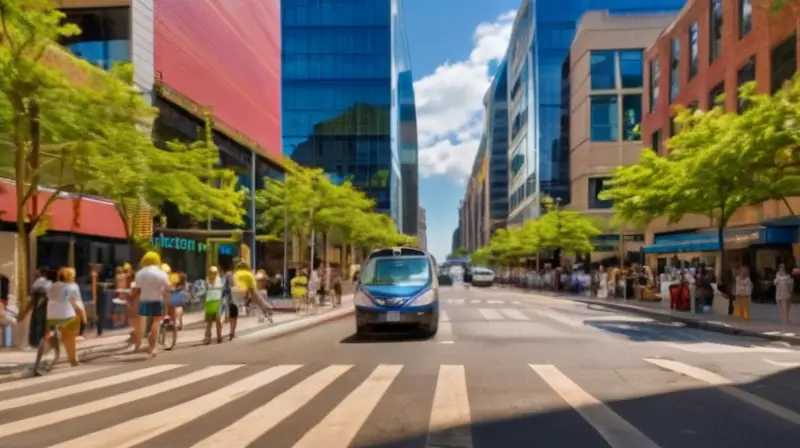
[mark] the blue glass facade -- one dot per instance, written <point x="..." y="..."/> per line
<point x="497" y="116"/>
<point x="105" y="36"/>
<point x="348" y="103"/>
<point x="537" y="70"/>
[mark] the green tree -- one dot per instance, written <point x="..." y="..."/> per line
<point x="566" y="231"/>
<point x="459" y="252"/>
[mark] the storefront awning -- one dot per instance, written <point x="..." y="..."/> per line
<point x="95" y="217"/>
<point x="734" y="238"/>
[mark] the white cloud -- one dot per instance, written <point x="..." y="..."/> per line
<point x="450" y="103"/>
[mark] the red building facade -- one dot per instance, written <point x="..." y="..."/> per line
<point x="765" y="51"/>
<point x="225" y="55"/>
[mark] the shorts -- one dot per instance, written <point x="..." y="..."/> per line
<point x="233" y="311"/>
<point x="151" y="309"/>
<point x="212" y="310"/>
<point x="70" y="323"/>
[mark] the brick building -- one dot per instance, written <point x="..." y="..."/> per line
<point x="713" y="47"/>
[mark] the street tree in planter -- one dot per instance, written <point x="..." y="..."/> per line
<point x="566" y="231"/>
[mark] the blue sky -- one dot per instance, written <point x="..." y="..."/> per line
<point x="454" y="48"/>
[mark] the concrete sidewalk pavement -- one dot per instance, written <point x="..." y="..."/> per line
<point x="114" y="343"/>
<point x="763" y="325"/>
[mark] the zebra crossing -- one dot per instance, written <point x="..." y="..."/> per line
<point x="54" y="401"/>
<point x="482" y="301"/>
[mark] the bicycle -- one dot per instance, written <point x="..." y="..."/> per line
<point x="167" y="333"/>
<point x="50" y="341"/>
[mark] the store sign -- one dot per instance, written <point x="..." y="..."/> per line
<point x="176" y="242"/>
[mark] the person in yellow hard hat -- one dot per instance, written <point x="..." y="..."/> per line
<point x="243" y="290"/>
<point x="151" y="286"/>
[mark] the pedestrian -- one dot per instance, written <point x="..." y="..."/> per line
<point x="213" y="302"/>
<point x="744" y="289"/>
<point x="65" y="310"/>
<point x="299" y="289"/>
<point x="243" y="290"/>
<point x="784" y="289"/>
<point x="151" y="287"/>
<point x="37" y="306"/>
<point x="337" y="290"/>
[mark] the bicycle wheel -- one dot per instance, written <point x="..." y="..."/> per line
<point x="47" y="353"/>
<point x="167" y="336"/>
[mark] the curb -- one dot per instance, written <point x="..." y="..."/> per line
<point x="688" y="321"/>
<point x="298" y="325"/>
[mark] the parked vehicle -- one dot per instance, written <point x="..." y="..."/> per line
<point x="482" y="277"/>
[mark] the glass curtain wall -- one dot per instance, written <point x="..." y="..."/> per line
<point x="105" y="36"/>
<point x="337" y="92"/>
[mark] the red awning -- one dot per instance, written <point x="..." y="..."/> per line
<point x="96" y="217"/>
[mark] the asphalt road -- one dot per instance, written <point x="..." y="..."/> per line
<point x="506" y="370"/>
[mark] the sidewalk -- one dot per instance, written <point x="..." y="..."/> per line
<point x="764" y="322"/>
<point x="114" y="343"/>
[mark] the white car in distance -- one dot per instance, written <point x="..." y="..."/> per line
<point x="482" y="277"/>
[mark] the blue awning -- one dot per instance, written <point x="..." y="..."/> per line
<point x="734" y="238"/>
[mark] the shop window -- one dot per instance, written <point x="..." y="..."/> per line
<point x="655" y="74"/>
<point x="784" y="62"/>
<point x="630" y="67"/>
<point x="714" y="94"/>
<point x="746" y="74"/>
<point x="596" y="186"/>
<point x="745" y="17"/>
<point x="604" y="118"/>
<point x="674" y="73"/>
<point x="631" y="116"/>
<point x="715" y="31"/>
<point x="603" y="70"/>
<point x="693" y="49"/>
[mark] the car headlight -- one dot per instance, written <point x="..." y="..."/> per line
<point x="426" y="298"/>
<point x="360" y="298"/>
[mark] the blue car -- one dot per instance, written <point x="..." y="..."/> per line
<point x="398" y="289"/>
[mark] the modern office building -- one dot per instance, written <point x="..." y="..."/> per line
<point x="475" y="209"/>
<point x="456" y="240"/>
<point x="712" y="48"/>
<point x="496" y="106"/>
<point x="190" y="59"/>
<point x="605" y="103"/>
<point x="538" y="67"/>
<point x="348" y="99"/>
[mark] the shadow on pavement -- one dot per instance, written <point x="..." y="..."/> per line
<point x="384" y="338"/>
<point x="706" y="417"/>
<point x="657" y="332"/>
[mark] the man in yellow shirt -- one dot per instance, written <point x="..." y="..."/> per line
<point x="244" y="289"/>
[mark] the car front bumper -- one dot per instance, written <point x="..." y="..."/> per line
<point x="384" y="318"/>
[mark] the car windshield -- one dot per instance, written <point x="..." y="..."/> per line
<point x="397" y="271"/>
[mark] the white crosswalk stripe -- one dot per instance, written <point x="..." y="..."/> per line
<point x="451" y="422"/>
<point x="490" y="314"/>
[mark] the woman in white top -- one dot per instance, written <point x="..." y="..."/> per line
<point x="784" y="289"/>
<point x="65" y="310"/>
<point x="151" y="286"/>
<point x="214" y="286"/>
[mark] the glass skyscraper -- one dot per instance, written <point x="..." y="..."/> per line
<point x="497" y="141"/>
<point x="538" y="96"/>
<point x="348" y="99"/>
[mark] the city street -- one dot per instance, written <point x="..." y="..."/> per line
<point x="507" y="369"/>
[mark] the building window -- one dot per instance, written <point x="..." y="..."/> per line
<point x="631" y="117"/>
<point x="693" y="47"/>
<point x="672" y="126"/>
<point x="630" y="68"/>
<point x="746" y="74"/>
<point x="603" y="70"/>
<point x="655" y="142"/>
<point x="784" y="62"/>
<point x="715" y="28"/>
<point x="675" y="74"/>
<point x="714" y="95"/>
<point x="655" y="74"/>
<point x="745" y="17"/>
<point x="604" y="118"/>
<point x="596" y="186"/>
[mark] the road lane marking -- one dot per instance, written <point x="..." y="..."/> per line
<point x="61" y="415"/>
<point x="450" y="417"/>
<point x="791" y="364"/>
<point x="74" y="389"/>
<point x="616" y="431"/>
<point x="23" y="383"/>
<point x="558" y="317"/>
<point x="517" y="302"/>
<point x="514" y="314"/>
<point x="443" y="316"/>
<point x="490" y="314"/>
<point x="455" y="301"/>
<point x="341" y="425"/>
<point x="249" y="428"/>
<point x="475" y="301"/>
<point x="142" y="429"/>
<point x="727" y="386"/>
<point x="495" y="302"/>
